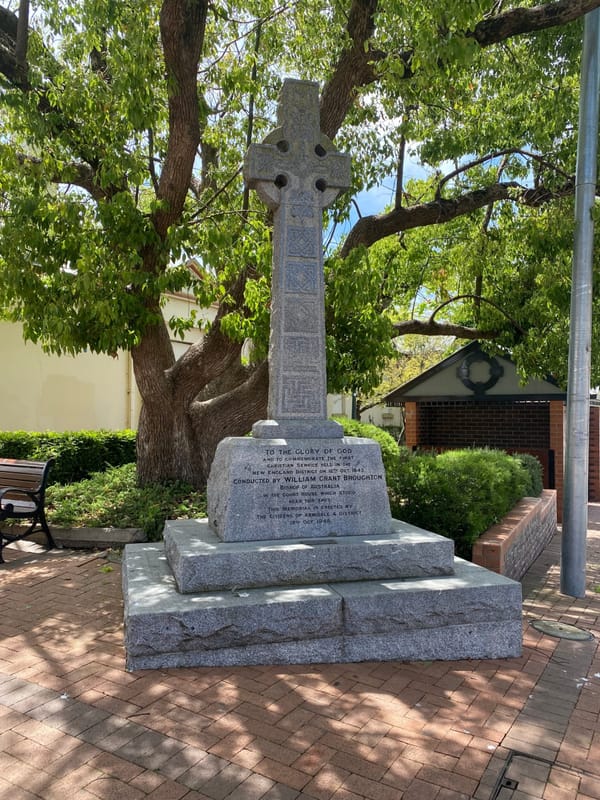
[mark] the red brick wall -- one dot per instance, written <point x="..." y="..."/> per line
<point x="557" y="413"/>
<point x="411" y="424"/>
<point x="511" y="546"/>
<point x="501" y="424"/>
<point x="594" y="473"/>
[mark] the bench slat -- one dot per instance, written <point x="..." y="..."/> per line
<point x="21" y="506"/>
<point x="22" y="474"/>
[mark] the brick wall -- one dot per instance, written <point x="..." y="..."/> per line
<point x="501" y="424"/>
<point x="411" y="424"/>
<point x="513" y="544"/>
<point x="594" y="469"/>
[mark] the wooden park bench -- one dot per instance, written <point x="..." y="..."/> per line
<point x="22" y="494"/>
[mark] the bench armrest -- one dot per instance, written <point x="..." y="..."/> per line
<point x="15" y="490"/>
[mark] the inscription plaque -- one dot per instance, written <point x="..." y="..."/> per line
<point x="325" y="487"/>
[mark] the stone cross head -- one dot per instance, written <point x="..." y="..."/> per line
<point x="296" y="155"/>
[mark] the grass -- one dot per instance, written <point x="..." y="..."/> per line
<point x="112" y="499"/>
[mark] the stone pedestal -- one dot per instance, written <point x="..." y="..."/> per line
<point x="301" y="562"/>
<point x="297" y="488"/>
<point x="201" y="562"/>
<point x="471" y="613"/>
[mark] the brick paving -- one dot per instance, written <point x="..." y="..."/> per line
<point x="74" y="723"/>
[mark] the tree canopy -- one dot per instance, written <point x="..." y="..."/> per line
<point x="122" y="135"/>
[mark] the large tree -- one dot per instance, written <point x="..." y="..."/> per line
<point x="122" y="134"/>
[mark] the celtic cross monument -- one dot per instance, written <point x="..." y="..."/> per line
<point x="297" y="173"/>
<point x="299" y="560"/>
<point x="297" y="476"/>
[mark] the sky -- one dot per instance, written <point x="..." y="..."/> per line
<point x="377" y="199"/>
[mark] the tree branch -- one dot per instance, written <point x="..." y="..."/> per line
<point x="371" y="229"/>
<point x="528" y="20"/>
<point x="211" y="357"/>
<point x="182" y="27"/>
<point x="480" y="299"/>
<point x="356" y="66"/>
<point x="231" y="413"/>
<point x="431" y="328"/>
<point x="490" y="156"/>
<point x="353" y="69"/>
<point x="22" y="37"/>
<point x="74" y="173"/>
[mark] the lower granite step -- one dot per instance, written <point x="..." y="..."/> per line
<point x="472" y="613"/>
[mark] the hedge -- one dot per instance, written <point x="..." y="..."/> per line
<point x="390" y="450"/>
<point x="78" y="453"/>
<point x="460" y="493"/>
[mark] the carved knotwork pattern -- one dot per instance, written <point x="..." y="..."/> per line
<point x="301" y="277"/>
<point x="301" y="352"/>
<point x="299" y="396"/>
<point x="303" y="242"/>
<point x="299" y="317"/>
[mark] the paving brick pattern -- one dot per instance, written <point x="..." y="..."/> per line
<point x="74" y="724"/>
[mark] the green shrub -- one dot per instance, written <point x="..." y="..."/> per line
<point x="458" y="494"/>
<point x="535" y="471"/>
<point x="112" y="499"/>
<point x="390" y="450"/>
<point x="77" y="454"/>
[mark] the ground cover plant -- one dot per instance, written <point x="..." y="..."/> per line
<point x="460" y="493"/>
<point x="113" y="499"/>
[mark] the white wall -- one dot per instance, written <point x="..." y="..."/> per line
<point x="383" y="416"/>
<point x="84" y="392"/>
<point x="48" y="392"/>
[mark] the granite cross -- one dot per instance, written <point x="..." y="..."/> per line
<point x="297" y="173"/>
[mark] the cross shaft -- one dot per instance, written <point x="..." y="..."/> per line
<point x="297" y="173"/>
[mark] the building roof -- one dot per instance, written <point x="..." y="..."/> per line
<point x="470" y="374"/>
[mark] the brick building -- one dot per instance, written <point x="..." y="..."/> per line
<point x="473" y="400"/>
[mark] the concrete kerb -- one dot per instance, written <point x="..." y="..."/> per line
<point x="88" y="537"/>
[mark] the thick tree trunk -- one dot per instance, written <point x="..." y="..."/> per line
<point x="231" y="413"/>
<point x="178" y="442"/>
<point x="190" y="405"/>
<point x="170" y="447"/>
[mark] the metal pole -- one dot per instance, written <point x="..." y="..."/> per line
<point x="575" y="516"/>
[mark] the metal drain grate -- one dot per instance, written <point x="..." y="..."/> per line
<point x="561" y="630"/>
<point x="527" y="777"/>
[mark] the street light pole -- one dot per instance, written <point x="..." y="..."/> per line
<point x="575" y="516"/>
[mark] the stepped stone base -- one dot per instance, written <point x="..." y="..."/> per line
<point x="472" y="613"/>
<point x="201" y="562"/>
